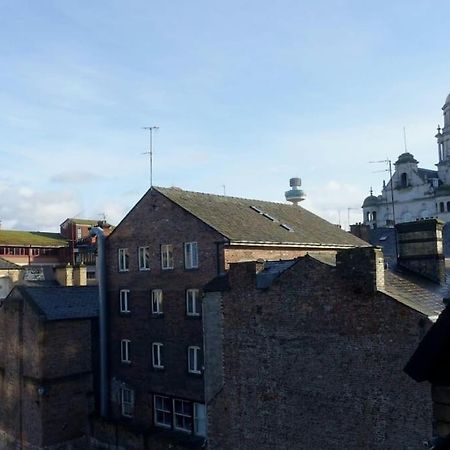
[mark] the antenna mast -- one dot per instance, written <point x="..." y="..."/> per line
<point x="150" y="152"/>
<point x="404" y="139"/>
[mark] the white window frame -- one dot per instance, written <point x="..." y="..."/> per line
<point x="123" y="256"/>
<point x="194" y="359"/>
<point x="157" y="301"/>
<point x="79" y="233"/>
<point x="190" y="255"/>
<point x="124" y="297"/>
<point x="203" y="420"/>
<point x="167" y="256"/>
<point x="157" y="355"/>
<point x="125" y="351"/>
<point x="127" y="402"/>
<point x="165" y="410"/>
<point x="183" y="415"/>
<point x="193" y="307"/>
<point x="144" y="258"/>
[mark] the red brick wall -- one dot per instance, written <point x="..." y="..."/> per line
<point x="313" y="363"/>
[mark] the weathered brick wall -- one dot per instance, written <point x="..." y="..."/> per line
<point x="155" y="221"/>
<point x="313" y="363"/>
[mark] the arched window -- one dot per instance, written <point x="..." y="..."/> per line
<point x="441" y="207"/>
<point x="368" y="216"/>
<point x="403" y="180"/>
<point x="374" y="215"/>
<point x="448" y="206"/>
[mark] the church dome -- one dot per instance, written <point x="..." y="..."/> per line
<point x="371" y="200"/>
<point x="406" y="158"/>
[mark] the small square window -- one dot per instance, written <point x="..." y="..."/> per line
<point x="190" y="255"/>
<point x="124" y="301"/>
<point x="193" y="307"/>
<point x="166" y="256"/>
<point x="125" y="351"/>
<point x="157" y="301"/>
<point x="157" y="355"/>
<point x="144" y="258"/>
<point x="194" y="360"/>
<point x="123" y="260"/>
<point x="127" y="402"/>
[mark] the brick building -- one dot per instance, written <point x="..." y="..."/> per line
<point x="48" y="358"/>
<point x="308" y="353"/>
<point x="158" y="258"/>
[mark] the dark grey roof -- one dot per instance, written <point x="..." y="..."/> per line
<point x="272" y="270"/>
<point x="255" y="221"/>
<point x="406" y="158"/>
<point x="415" y="291"/>
<point x="61" y="303"/>
<point x="371" y="200"/>
<point x="427" y="174"/>
<point x="6" y="265"/>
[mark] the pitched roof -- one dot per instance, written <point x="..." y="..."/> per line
<point x="6" y="265"/>
<point x="256" y="221"/>
<point x="61" y="302"/>
<point x="33" y="238"/>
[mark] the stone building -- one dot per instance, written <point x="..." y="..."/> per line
<point x="158" y="258"/>
<point x="414" y="193"/>
<point x="48" y="359"/>
<point x="309" y="353"/>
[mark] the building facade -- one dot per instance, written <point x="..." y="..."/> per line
<point x="158" y="259"/>
<point x="414" y="193"/>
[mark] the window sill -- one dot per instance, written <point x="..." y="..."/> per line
<point x="124" y="270"/>
<point x="193" y="316"/>
<point x="158" y="369"/>
<point x="195" y="374"/>
<point x="125" y="313"/>
<point x="144" y="270"/>
<point x="191" y="269"/>
<point x="157" y="315"/>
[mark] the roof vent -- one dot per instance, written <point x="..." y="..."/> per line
<point x="295" y="195"/>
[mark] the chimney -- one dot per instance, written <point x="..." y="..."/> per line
<point x="80" y="275"/>
<point x="364" y="266"/>
<point x="420" y="248"/>
<point x="64" y="275"/>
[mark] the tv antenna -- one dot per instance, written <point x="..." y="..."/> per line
<point x="150" y="152"/>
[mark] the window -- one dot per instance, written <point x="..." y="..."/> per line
<point x="127" y="401"/>
<point x="167" y="256"/>
<point x="123" y="299"/>
<point x="200" y="419"/>
<point x="125" y="351"/>
<point x="157" y="301"/>
<point x="157" y="355"/>
<point x="123" y="260"/>
<point x="194" y="359"/>
<point x="79" y="233"/>
<point x="192" y="302"/>
<point x="144" y="258"/>
<point x="404" y="180"/>
<point x="182" y="415"/>
<point x="448" y="206"/>
<point x="441" y="207"/>
<point x="162" y="411"/>
<point x="190" y="255"/>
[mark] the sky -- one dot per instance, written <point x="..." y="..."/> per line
<point x="246" y="94"/>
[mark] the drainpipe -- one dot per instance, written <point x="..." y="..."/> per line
<point x="103" y="319"/>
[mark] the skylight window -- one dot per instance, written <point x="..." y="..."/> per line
<point x="268" y="216"/>
<point x="255" y="208"/>
<point x="286" y="227"/>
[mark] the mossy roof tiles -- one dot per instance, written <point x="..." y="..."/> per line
<point x="33" y="238"/>
<point x="250" y="221"/>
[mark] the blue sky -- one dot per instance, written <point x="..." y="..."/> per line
<point x="246" y="93"/>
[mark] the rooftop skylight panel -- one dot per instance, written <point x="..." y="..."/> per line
<point x="286" y="227"/>
<point x="255" y="208"/>
<point x="268" y="216"/>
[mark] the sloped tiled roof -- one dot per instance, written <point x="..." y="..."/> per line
<point x="6" y="265"/>
<point x="416" y="292"/>
<point x="33" y="238"/>
<point x="62" y="303"/>
<point x="257" y="221"/>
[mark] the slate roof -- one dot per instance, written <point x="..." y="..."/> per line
<point x="271" y="271"/>
<point x="6" y="265"/>
<point x="256" y="221"/>
<point x="427" y="174"/>
<point x="33" y="238"/>
<point x="63" y="303"/>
